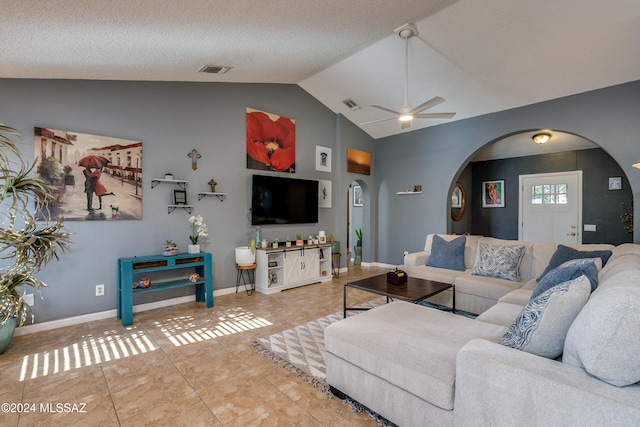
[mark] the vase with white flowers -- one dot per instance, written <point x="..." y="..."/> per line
<point x="198" y="230"/>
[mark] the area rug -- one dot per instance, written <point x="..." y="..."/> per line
<point x="300" y="350"/>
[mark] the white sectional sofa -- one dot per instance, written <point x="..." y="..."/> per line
<point x="419" y="366"/>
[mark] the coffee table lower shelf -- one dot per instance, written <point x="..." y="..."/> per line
<point x="415" y="290"/>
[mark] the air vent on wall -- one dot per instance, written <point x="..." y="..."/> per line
<point x="351" y="104"/>
<point x="214" y="69"/>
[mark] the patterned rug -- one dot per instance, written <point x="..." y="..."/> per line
<point x="300" y="350"/>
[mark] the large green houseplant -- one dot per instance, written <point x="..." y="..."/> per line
<point x="26" y="246"/>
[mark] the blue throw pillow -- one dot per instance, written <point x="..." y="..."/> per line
<point x="565" y="273"/>
<point x="565" y="253"/>
<point x="449" y="255"/>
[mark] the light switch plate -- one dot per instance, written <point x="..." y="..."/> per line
<point x="589" y="227"/>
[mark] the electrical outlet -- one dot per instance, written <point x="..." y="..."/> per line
<point x="589" y="227"/>
<point x="99" y="290"/>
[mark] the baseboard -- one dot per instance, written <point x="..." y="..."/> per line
<point x="382" y="265"/>
<point x="109" y="314"/>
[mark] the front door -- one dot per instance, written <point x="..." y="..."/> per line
<point x="551" y="207"/>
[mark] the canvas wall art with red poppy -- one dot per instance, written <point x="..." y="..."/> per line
<point x="271" y="142"/>
<point x="97" y="177"/>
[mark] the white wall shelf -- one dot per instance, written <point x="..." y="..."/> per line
<point x="220" y="196"/>
<point x="409" y="192"/>
<point x="179" y="182"/>
<point x="188" y="208"/>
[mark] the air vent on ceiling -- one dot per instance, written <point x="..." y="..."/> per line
<point x="351" y="104"/>
<point x="214" y="69"/>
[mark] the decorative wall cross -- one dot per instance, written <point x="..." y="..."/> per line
<point x="212" y="183"/>
<point x="194" y="158"/>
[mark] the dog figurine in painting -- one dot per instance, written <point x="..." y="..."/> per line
<point x="115" y="210"/>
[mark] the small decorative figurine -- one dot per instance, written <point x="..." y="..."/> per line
<point x="213" y="184"/>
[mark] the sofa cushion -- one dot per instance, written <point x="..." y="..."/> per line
<point x="447" y="254"/>
<point x="565" y="253"/>
<point x="603" y="340"/>
<point x="568" y="271"/>
<point x="501" y="262"/>
<point x="542" y="325"/>
<point x="409" y="346"/>
<point x="503" y="313"/>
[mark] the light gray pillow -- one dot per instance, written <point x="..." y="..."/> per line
<point x="501" y="262"/>
<point x="603" y="340"/>
<point x="542" y="325"/>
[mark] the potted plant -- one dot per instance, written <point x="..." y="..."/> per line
<point x="274" y="244"/>
<point x="198" y="229"/>
<point x="358" y="247"/>
<point x="299" y="241"/>
<point x="169" y="248"/>
<point x="288" y="243"/>
<point x="30" y="248"/>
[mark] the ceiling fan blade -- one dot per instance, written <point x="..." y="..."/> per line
<point x="389" y="110"/>
<point x="434" y="116"/>
<point x="377" y="121"/>
<point x="426" y="105"/>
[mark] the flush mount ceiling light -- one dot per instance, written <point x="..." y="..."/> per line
<point x="541" y="138"/>
<point x="636" y="165"/>
<point x="214" y="69"/>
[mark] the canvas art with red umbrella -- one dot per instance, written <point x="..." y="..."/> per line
<point x="98" y="177"/>
<point x="271" y="142"/>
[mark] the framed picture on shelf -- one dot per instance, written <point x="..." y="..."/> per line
<point x="493" y="194"/>
<point x="179" y="197"/>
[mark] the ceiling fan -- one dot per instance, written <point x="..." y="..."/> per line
<point x="406" y="113"/>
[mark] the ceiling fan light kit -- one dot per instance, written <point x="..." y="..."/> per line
<point x="406" y="113"/>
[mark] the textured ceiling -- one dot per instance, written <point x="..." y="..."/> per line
<point x="482" y="56"/>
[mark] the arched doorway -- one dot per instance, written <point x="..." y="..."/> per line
<point x="510" y="156"/>
<point x="357" y="221"/>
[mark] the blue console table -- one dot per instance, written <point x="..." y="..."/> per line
<point x="130" y="270"/>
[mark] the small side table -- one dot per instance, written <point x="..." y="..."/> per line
<point x="336" y="269"/>
<point x="249" y="281"/>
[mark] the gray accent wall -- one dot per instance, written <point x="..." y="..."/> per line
<point x="171" y="119"/>
<point x="600" y="206"/>
<point x="435" y="156"/>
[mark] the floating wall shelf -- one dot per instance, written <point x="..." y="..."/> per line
<point x="409" y="192"/>
<point x="180" y="183"/>
<point x="220" y="196"/>
<point x="188" y="208"/>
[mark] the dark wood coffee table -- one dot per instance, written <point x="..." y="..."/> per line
<point x="415" y="290"/>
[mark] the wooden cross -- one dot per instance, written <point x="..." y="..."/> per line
<point x="212" y="183"/>
<point x="194" y="158"/>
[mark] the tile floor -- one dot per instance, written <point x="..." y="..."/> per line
<point x="178" y="365"/>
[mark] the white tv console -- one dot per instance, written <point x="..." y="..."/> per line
<point x="289" y="267"/>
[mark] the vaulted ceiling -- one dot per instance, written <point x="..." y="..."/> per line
<point x="481" y="56"/>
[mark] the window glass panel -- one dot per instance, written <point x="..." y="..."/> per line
<point x="549" y="194"/>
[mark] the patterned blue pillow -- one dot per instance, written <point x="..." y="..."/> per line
<point x="565" y="253"/>
<point x="501" y="262"/>
<point x="568" y="271"/>
<point x="449" y="255"/>
<point x="542" y="326"/>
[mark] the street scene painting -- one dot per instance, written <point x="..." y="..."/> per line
<point x="97" y="177"/>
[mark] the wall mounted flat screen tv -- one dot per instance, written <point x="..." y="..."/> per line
<point x="277" y="200"/>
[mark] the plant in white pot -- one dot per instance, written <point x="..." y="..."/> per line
<point x="198" y="229"/>
<point x="25" y="245"/>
